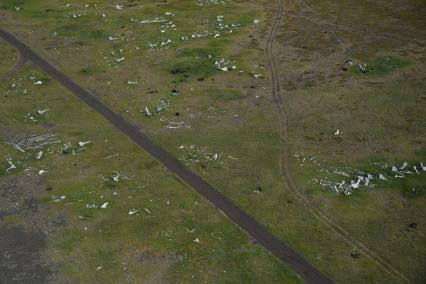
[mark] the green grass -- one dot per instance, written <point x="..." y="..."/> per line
<point x="111" y="238"/>
<point x="230" y="113"/>
<point x="382" y="65"/>
<point x="225" y="94"/>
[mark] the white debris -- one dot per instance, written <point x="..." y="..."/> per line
<point x="132" y="211"/>
<point x="120" y="59"/>
<point x="416" y="170"/>
<point x="11" y="167"/>
<point x="99" y="268"/>
<point x="196" y="241"/>
<point x="41" y="172"/>
<point x="382" y="177"/>
<point x="112" y="38"/>
<point x="256" y="21"/>
<point x="38" y="82"/>
<point x="116" y="177"/>
<point x="132" y="82"/>
<point x="147" y="112"/>
<point x="39" y="155"/>
<point x="58" y="198"/>
<point x="91" y="205"/>
<point x="423" y="167"/>
<point x="362" y="67"/>
<point x="42" y="111"/>
<point x="105" y="205"/>
<point x="83" y="143"/>
<point x="404" y="166"/>
<point x="119" y="7"/>
<point x="147" y="210"/>
<point x="156" y="20"/>
<point x="337" y="132"/>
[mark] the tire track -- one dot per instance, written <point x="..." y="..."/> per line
<point x="284" y="169"/>
<point x="247" y="223"/>
<point x="22" y="60"/>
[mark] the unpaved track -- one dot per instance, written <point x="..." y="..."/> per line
<point x="285" y="174"/>
<point x="22" y="60"/>
<point x="295" y="261"/>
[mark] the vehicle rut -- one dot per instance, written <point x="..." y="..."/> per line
<point x="284" y="169"/>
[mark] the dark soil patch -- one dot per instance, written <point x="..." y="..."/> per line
<point x="20" y="254"/>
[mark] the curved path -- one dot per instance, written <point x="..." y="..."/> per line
<point x="285" y="174"/>
<point x="278" y="248"/>
<point x="22" y="60"/>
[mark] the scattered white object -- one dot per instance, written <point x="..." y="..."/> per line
<point x="112" y="38"/>
<point x="58" y="198"/>
<point x="404" y="166"/>
<point x="11" y="166"/>
<point x="337" y="132"/>
<point x="147" y="112"/>
<point x="39" y="155"/>
<point x="256" y="21"/>
<point x="105" y="205"/>
<point x="382" y="177"/>
<point x="416" y="170"/>
<point x="132" y="82"/>
<point x="119" y="7"/>
<point x="41" y="172"/>
<point x="132" y="211"/>
<point x="116" y="177"/>
<point x="99" y="268"/>
<point x="38" y="82"/>
<point x="120" y="59"/>
<point x="42" y="111"/>
<point x="196" y="241"/>
<point x="147" y="210"/>
<point x="423" y="167"/>
<point x="83" y="143"/>
<point x="362" y="67"/>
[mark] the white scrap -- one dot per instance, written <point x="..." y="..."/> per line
<point x="105" y="205"/>
<point x="256" y="21"/>
<point x="132" y="211"/>
<point x="132" y="82"/>
<point x="83" y="143"/>
<point x="337" y="132"/>
<point x="423" y="167"/>
<point x="147" y="112"/>
<point x="196" y="241"/>
<point x="39" y="155"/>
<point x="382" y="177"/>
<point x="116" y="177"/>
<point x="404" y="166"/>
<point x="119" y="7"/>
<point x="120" y="59"/>
<point x="41" y="172"/>
<point x="42" y="111"/>
<point x="11" y="166"/>
<point x="147" y="210"/>
<point x="38" y="82"/>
